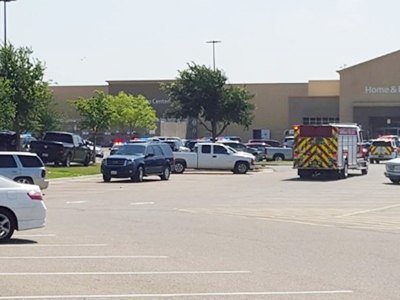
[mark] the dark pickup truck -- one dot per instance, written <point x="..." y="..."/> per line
<point x="62" y="148"/>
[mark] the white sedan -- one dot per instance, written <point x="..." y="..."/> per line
<point x="21" y="207"/>
<point x="393" y="170"/>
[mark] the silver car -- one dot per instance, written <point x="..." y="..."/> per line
<point x="393" y="170"/>
<point x="23" y="167"/>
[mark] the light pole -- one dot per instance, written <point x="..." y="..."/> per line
<point x="213" y="43"/>
<point x="5" y="20"/>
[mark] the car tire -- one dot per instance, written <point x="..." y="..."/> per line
<point x="7" y="224"/>
<point x="180" y="167"/>
<point x="395" y="181"/>
<point x="278" y="157"/>
<point x="364" y="171"/>
<point x="371" y="161"/>
<point x="241" y="167"/>
<point x="166" y="173"/>
<point x="106" y="178"/>
<point x="25" y="180"/>
<point x="87" y="161"/>
<point x="138" y="176"/>
<point x="67" y="161"/>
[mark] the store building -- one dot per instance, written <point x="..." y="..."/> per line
<point x="367" y="93"/>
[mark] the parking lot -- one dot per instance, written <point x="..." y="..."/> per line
<point x="211" y="235"/>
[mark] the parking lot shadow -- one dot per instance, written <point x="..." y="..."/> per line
<point x="320" y="178"/>
<point x="17" y="241"/>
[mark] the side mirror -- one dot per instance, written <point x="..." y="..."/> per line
<point x="149" y="155"/>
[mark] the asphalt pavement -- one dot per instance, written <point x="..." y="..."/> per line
<point x="211" y="235"/>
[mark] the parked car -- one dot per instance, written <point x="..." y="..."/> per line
<point x="176" y="146"/>
<point x="23" y="167"/>
<point x="8" y="141"/>
<point x="115" y="147"/>
<point x="99" y="151"/>
<point x="136" y="160"/>
<point x="274" y="153"/>
<point x="192" y="143"/>
<point x="393" y="170"/>
<point x="278" y="153"/>
<point x="21" y="207"/>
<point x="62" y="148"/>
<point x="258" y="153"/>
<point x="383" y="149"/>
<point x="214" y="156"/>
<point x="272" y="143"/>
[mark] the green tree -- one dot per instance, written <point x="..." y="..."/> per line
<point x="28" y="95"/>
<point x="96" y="114"/>
<point x="132" y="112"/>
<point x="50" y="119"/>
<point x="201" y="93"/>
<point x="7" y="107"/>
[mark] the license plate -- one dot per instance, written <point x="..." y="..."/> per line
<point x="114" y="172"/>
<point x="45" y="154"/>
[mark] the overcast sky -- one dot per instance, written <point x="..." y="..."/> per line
<point x="86" y="42"/>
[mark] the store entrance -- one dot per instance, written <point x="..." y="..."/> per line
<point x="377" y="121"/>
<point x="385" y="126"/>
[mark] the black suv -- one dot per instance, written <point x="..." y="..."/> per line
<point x="136" y="160"/>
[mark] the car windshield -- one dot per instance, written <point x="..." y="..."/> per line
<point x="232" y="149"/>
<point x="131" y="150"/>
<point x="58" y="137"/>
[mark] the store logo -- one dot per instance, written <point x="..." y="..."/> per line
<point x="393" y="89"/>
<point x="159" y="101"/>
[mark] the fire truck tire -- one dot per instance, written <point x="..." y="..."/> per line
<point x="364" y="171"/>
<point x="303" y="174"/>
<point x="344" y="172"/>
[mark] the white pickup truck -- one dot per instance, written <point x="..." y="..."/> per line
<point x="214" y="156"/>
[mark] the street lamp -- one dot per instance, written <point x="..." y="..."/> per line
<point x="213" y="43"/>
<point x="5" y="20"/>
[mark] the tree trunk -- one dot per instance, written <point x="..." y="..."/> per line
<point x="94" y="147"/>
<point x="214" y="131"/>
<point x="17" y="134"/>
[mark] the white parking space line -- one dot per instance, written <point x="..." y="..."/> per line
<point x="368" y="211"/>
<point x="75" y="202"/>
<point x="85" y="257"/>
<point x="142" y="203"/>
<point x="122" y="273"/>
<point x="222" y="294"/>
<point x="51" y="245"/>
<point x="34" y="235"/>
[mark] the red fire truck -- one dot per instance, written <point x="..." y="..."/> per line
<point x="331" y="148"/>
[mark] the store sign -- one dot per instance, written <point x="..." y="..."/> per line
<point x="159" y="101"/>
<point x="376" y="90"/>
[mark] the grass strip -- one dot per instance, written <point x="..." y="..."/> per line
<point x="72" y="171"/>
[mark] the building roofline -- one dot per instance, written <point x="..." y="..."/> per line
<point x="150" y="81"/>
<point x="368" y="61"/>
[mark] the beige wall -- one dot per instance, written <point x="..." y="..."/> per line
<point x="372" y="83"/>
<point x="271" y="101"/>
<point x="64" y="94"/>
<point x="315" y="107"/>
<point x="327" y="88"/>
<point x="271" y="112"/>
<point x="375" y="83"/>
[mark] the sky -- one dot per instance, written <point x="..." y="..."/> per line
<point x="87" y="42"/>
